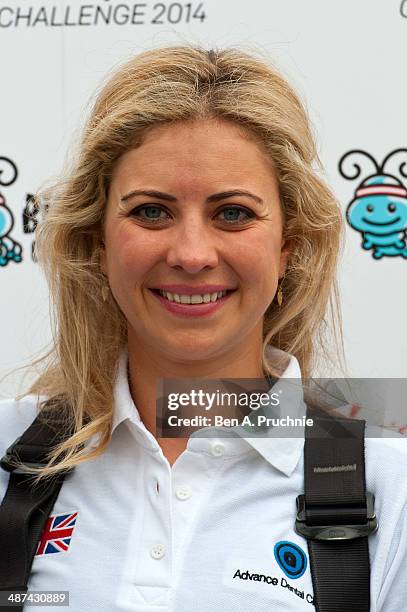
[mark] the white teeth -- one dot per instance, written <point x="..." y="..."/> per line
<point x="193" y="299"/>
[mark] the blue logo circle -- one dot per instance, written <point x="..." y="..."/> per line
<point x="291" y="558"/>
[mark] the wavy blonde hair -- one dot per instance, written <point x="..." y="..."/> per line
<point x="167" y="84"/>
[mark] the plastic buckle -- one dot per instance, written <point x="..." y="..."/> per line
<point x="11" y="454"/>
<point x="336" y="532"/>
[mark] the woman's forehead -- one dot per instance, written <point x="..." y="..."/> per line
<point x="215" y="146"/>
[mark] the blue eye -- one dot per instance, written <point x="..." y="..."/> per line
<point x="152" y="214"/>
<point x="237" y="209"/>
<point x="155" y="216"/>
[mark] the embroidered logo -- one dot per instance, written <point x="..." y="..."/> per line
<point x="291" y="559"/>
<point x="57" y="534"/>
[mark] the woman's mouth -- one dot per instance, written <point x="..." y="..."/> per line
<point x="192" y="305"/>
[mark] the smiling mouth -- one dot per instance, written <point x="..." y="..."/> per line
<point x="384" y="222"/>
<point x="181" y="299"/>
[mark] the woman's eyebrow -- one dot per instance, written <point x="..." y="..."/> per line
<point x="170" y="198"/>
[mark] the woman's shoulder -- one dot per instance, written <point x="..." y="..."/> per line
<point x="385" y="460"/>
<point x="385" y="447"/>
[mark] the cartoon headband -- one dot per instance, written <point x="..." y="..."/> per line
<point x="381" y="190"/>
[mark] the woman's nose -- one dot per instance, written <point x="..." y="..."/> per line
<point x="193" y="247"/>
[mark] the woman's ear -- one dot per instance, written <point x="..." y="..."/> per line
<point x="284" y="256"/>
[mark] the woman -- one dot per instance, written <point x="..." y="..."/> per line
<point x="177" y="139"/>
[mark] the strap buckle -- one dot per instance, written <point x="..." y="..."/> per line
<point x="11" y="453"/>
<point x="336" y="532"/>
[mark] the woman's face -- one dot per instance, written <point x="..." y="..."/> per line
<point x="194" y="231"/>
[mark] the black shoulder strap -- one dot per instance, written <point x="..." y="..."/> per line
<point x="336" y="513"/>
<point x="25" y="508"/>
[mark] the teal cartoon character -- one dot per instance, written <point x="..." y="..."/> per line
<point x="379" y="208"/>
<point x="10" y="250"/>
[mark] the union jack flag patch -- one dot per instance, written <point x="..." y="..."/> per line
<point x="57" y="534"/>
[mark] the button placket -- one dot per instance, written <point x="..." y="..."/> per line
<point x="155" y="553"/>
<point x="193" y="478"/>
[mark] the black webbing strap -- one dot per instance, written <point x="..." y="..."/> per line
<point x="336" y="514"/>
<point x="25" y="508"/>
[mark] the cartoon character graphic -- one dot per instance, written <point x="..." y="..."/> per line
<point x="379" y="208"/>
<point x="10" y="250"/>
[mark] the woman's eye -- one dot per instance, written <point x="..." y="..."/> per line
<point x="233" y="213"/>
<point x="152" y="214"/>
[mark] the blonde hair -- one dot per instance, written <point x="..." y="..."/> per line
<point x="167" y="84"/>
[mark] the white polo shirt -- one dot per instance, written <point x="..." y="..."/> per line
<point x="130" y="532"/>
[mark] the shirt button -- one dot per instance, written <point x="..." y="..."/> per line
<point x="183" y="492"/>
<point x="217" y="449"/>
<point x="157" y="551"/>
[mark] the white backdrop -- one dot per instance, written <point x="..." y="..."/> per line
<point x="345" y="59"/>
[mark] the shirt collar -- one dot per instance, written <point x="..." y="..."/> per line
<point x="282" y="446"/>
<point x="276" y="445"/>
